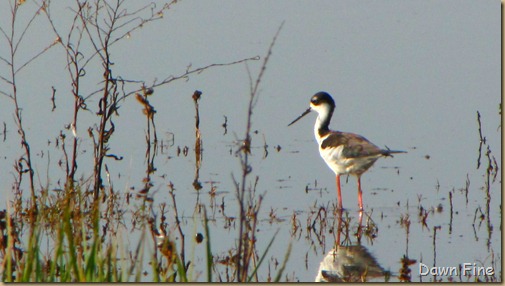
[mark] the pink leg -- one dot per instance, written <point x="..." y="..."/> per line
<point x="360" y="194"/>
<point x="339" y="227"/>
<point x="360" y="225"/>
<point x="339" y="192"/>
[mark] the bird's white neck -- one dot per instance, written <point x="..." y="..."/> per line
<point x="322" y="122"/>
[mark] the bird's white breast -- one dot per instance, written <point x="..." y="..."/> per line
<point x="334" y="159"/>
<point x="342" y="165"/>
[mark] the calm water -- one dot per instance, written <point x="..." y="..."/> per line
<point x="417" y="88"/>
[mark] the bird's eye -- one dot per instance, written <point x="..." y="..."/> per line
<point x="314" y="100"/>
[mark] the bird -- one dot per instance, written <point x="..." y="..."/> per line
<point x="344" y="152"/>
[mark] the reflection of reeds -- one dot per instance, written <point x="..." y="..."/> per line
<point x="405" y="271"/>
<point x="451" y="213"/>
<point x="151" y="139"/>
<point x="481" y="141"/>
<point x="492" y="170"/>
<point x="198" y="141"/>
<point x="225" y="125"/>
<point x="71" y="233"/>
<point x="249" y="204"/>
<point x="80" y="252"/>
<point x="435" y="228"/>
<point x="406" y="262"/>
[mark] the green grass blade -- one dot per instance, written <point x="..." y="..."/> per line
<point x="32" y="255"/>
<point x="283" y="266"/>
<point x="91" y="263"/>
<point x="209" y="251"/>
<point x="181" y="270"/>
<point x="57" y="254"/>
<point x="262" y="257"/>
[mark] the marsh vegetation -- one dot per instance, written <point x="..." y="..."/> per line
<point x="196" y="206"/>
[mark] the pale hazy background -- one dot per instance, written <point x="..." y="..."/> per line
<point x="407" y="74"/>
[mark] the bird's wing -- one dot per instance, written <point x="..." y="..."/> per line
<point x="355" y="146"/>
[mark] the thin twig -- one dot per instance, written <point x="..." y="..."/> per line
<point x="243" y="251"/>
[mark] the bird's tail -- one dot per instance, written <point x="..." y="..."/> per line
<point x="387" y="152"/>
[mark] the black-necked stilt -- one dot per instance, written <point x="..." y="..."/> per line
<point x="343" y="152"/>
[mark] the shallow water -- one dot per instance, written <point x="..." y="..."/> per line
<point x="417" y="88"/>
<point x="304" y="211"/>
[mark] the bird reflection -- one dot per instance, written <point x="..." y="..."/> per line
<point x="350" y="263"/>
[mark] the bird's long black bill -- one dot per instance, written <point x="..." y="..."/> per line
<point x="299" y="117"/>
